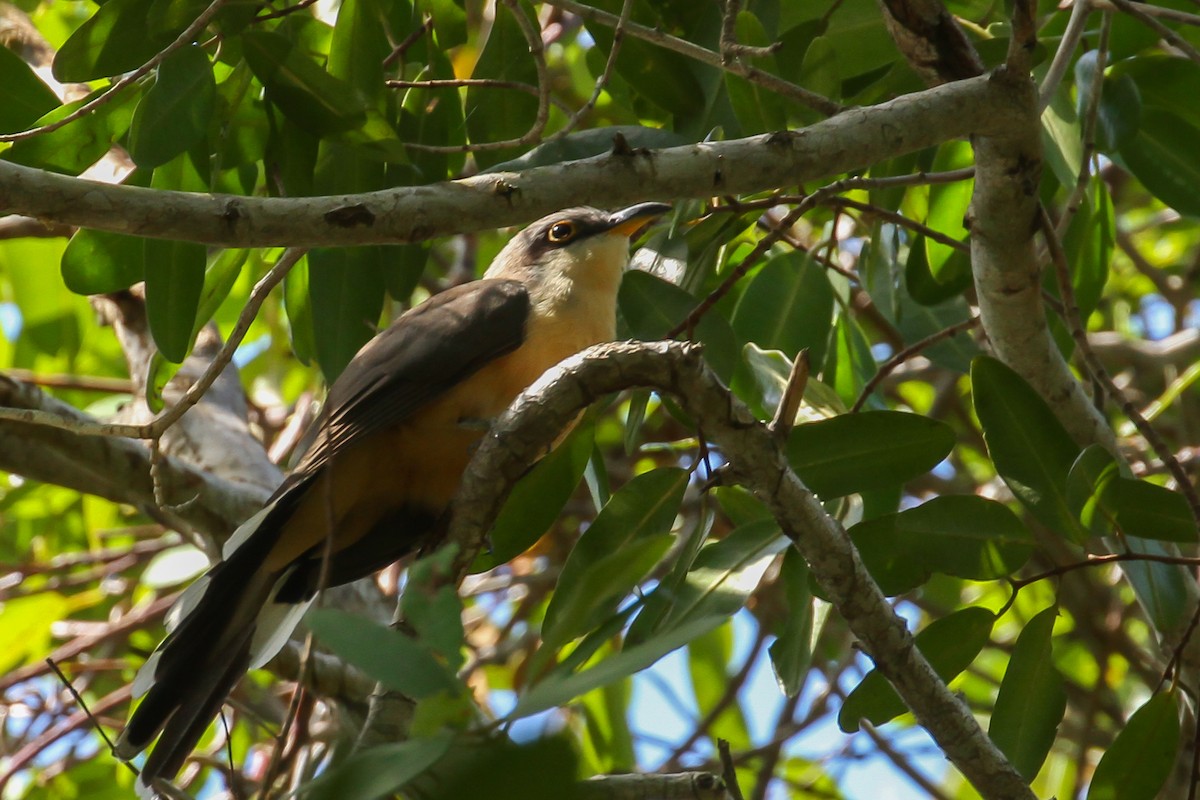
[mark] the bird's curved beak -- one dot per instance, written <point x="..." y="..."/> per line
<point x="628" y="221"/>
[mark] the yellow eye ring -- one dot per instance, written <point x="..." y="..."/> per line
<point x="561" y="232"/>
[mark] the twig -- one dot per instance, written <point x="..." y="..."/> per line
<point x="903" y="762"/>
<point x="731" y="49"/>
<point x="793" y="394"/>
<point x="1098" y="372"/>
<point x="82" y="705"/>
<point x="1162" y="12"/>
<point x="1065" y="53"/>
<point x="605" y="75"/>
<point x="1024" y="37"/>
<point x="889" y="366"/>
<point x="283" y="12"/>
<point x="1100" y="561"/>
<point x="1168" y="35"/>
<point x="182" y="40"/>
<point x="899" y="219"/>
<point x="729" y="771"/>
<point x="1088" y="128"/>
<point x="399" y="50"/>
<point x="705" y="56"/>
<point x="764" y="244"/>
<point x="155" y="428"/>
<point x="536" y="49"/>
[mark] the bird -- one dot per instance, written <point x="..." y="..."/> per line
<point x="384" y="458"/>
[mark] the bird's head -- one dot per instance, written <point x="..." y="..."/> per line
<point x="572" y="249"/>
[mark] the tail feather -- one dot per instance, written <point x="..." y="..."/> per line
<point x="193" y="711"/>
<point x="222" y="625"/>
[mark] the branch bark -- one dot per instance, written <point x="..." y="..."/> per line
<point x="758" y="462"/>
<point x="851" y="140"/>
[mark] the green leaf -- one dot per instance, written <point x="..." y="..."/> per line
<point x="950" y="644"/>
<point x="346" y="291"/>
<point x="581" y="606"/>
<point x="432" y="608"/>
<point x="948" y="205"/>
<point x="175" y="113"/>
<point x="433" y="117"/>
<point x="961" y="535"/>
<point x="916" y="321"/>
<point x="758" y="110"/>
<point x="1149" y="511"/>
<point x="1062" y="138"/>
<point x="174" y="283"/>
<point x="1089" y="245"/>
<point x="308" y="96"/>
<point x="954" y="274"/>
<point x="560" y="687"/>
<point x="449" y="21"/>
<point x="97" y="262"/>
<point x="113" y="40"/>
<point x="537" y="500"/>
<point x="1088" y="483"/>
<point x="77" y="145"/>
<point x="872" y="450"/>
<point x="650" y="306"/>
<point x="390" y="657"/>
<point x="788" y="306"/>
<point x="23" y="96"/>
<point x="1140" y="759"/>
<point x="1120" y="105"/>
<point x="1164" y="158"/>
<point x="497" y="114"/>
<point x="708" y="655"/>
<point x="791" y="652"/>
<point x="25" y="627"/>
<point x="1029" y="446"/>
<point x="1164" y="83"/>
<point x="378" y="771"/>
<point x="720" y="580"/>
<point x="1032" y="699"/>
<point x="593" y="577"/>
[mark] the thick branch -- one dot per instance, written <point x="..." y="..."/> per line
<point x="117" y="469"/>
<point x="853" y="139"/>
<point x="759" y="462"/>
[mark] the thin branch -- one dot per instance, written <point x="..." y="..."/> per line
<point x="181" y="41"/>
<point x="605" y="74"/>
<point x="1099" y="373"/>
<point x="688" y="324"/>
<point x="705" y="56"/>
<point x="1088" y="129"/>
<point x="889" y="366"/>
<point x="1162" y="12"/>
<point x="730" y="47"/>
<point x="155" y="428"/>
<point x="533" y="37"/>
<point x="903" y="762"/>
<point x="1168" y="35"/>
<point x="1065" y="54"/>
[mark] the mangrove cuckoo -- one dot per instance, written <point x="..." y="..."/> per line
<point x="389" y="449"/>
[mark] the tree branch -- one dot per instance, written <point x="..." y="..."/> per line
<point x="853" y="139"/>
<point x="758" y="462"/>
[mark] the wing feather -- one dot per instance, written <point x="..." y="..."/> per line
<point x="426" y="352"/>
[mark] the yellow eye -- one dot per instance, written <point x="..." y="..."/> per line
<point x="561" y="232"/>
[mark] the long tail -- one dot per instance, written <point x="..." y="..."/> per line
<point x="222" y="625"/>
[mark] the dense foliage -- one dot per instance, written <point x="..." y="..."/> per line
<point x="988" y="302"/>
